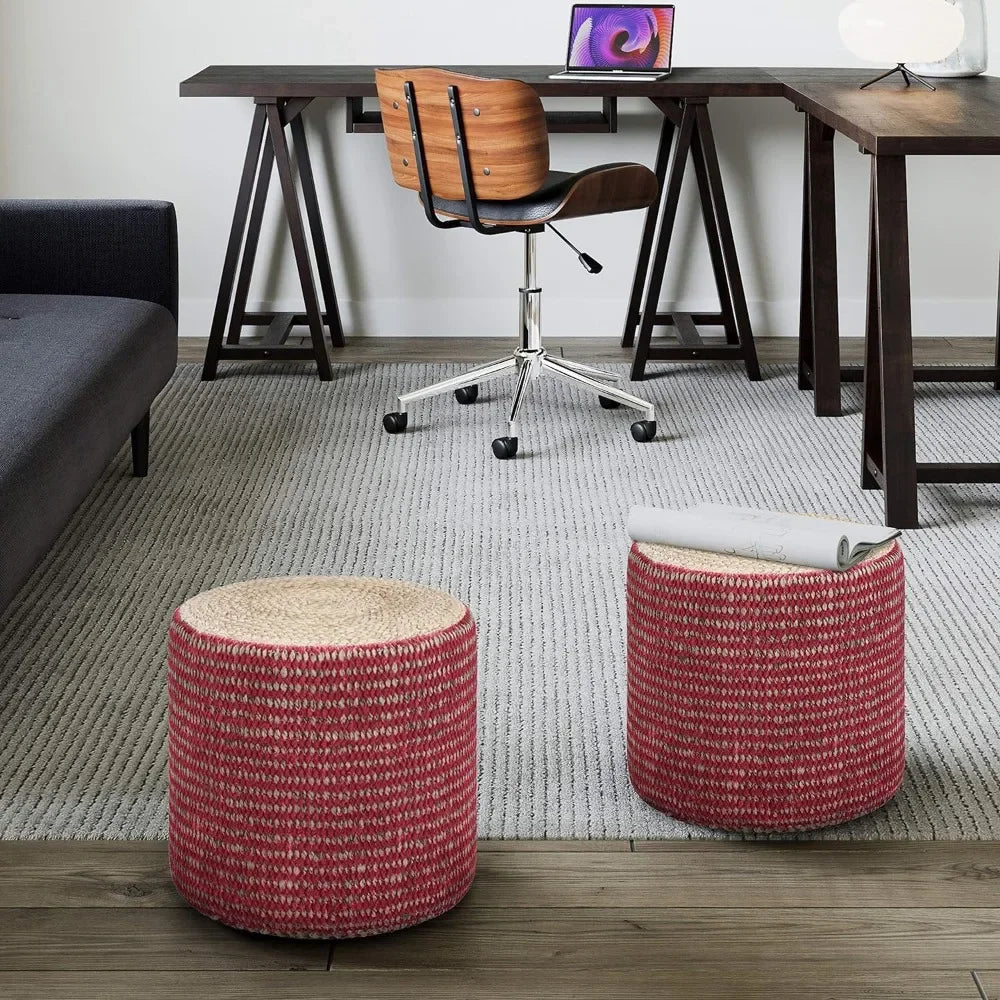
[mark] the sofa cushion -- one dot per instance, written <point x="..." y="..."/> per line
<point x="77" y="373"/>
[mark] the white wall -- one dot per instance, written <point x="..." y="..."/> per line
<point x="89" y="108"/>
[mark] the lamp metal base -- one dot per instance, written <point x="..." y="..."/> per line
<point x="908" y="75"/>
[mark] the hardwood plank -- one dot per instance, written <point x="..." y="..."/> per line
<point x="65" y="939"/>
<point x="137" y="875"/>
<point x="585" y="874"/>
<point x="979" y="349"/>
<point x="904" y="940"/>
<point x="773" y="350"/>
<point x="20" y="852"/>
<point x="901" y="848"/>
<point x="86" y="874"/>
<point x="767" y="876"/>
<point x="387" y="349"/>
<point x="657" y="922"/>
<point x="786" y="981"/>
<point x="555" y="847"/>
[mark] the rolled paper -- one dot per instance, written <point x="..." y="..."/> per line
<point x="754" y="534"/>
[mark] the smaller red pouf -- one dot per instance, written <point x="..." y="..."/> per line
<point x="764" y="700"/>
<point x="322" y="755"/>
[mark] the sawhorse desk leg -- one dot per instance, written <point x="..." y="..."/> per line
<point x="889" y="450"/>
<point x="267" y="147"/>
<point x="889" y="437"/>
<point x="819" y="317"/>
<point x="687" y="130"/>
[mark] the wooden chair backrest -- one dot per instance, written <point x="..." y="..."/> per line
<point x="505" y="130"/>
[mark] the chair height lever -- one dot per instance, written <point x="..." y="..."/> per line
<point x="588" y="262"/>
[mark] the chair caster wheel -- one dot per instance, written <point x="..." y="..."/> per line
<point x="467" y="395"/>
<point x="609" y="404"/>
<point x="394" y="423"/>
<point x="505" y="447"/>
<point x="644" y="430"/>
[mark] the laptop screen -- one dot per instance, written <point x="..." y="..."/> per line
<point x="613" y="36"/>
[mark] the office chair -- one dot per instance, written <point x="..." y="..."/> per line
<point x="477" y="151"/>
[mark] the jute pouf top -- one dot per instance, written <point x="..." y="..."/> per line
<point x="322" y="747"/>
<point x="764" y="697"/>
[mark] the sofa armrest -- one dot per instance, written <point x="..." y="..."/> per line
<point x="125" y="249"/>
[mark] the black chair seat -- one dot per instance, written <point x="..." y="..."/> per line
<point x="611" y="187"/>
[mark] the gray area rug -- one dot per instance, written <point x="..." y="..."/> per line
<point x="270" y="474"/>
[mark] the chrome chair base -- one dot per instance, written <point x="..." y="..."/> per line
<point x="530" y="361"/>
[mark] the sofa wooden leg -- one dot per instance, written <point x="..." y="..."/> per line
<point x="140" y="447"/>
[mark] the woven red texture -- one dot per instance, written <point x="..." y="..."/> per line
<point x="766" y="703"/>
<point x="322" y="792"/>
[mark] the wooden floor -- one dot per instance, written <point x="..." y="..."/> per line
<point x="559" y="921"/>
<point x="772" y="350"/>
<point x="554" y="921"/>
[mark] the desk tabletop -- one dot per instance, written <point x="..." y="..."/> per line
<point x="359" y="81"/>
<point x="962" y="117"/>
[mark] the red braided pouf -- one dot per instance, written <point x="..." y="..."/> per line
<point x="764" y="700"/>
<point x="322" y="744"/>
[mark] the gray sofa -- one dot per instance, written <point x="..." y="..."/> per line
<point x="88" y="338"/>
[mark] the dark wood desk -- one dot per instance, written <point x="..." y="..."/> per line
<point x="888" y="123"/>
<point x="961" y="118"/>
<point x="359" y="81"/>
<point x="282" y="93"/>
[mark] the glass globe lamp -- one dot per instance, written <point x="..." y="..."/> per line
<point x="972" y="55"/>
<point x="901" y="32"/>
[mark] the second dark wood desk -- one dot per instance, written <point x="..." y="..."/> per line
<point x="888" y="123"/>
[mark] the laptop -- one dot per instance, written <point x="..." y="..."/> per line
<point x="620" y="42"/>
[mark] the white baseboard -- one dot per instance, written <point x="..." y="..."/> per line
<point x="592" y="317"/>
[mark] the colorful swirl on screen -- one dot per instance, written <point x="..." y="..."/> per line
<point x="635" y="38"/>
